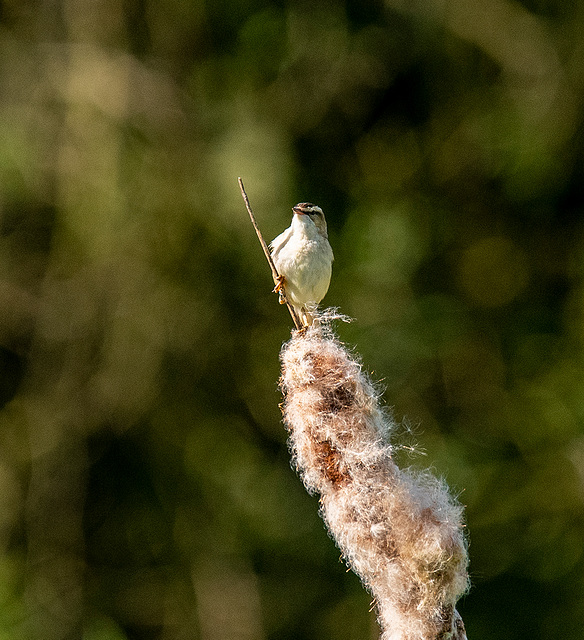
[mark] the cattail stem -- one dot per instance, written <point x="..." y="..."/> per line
<point x="400" y="532"/>
<point x="275" y="274"/>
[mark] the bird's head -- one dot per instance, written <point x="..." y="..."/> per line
<point x="314" y="213"/>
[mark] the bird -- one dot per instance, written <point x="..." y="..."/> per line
<point x="303" y="258"/>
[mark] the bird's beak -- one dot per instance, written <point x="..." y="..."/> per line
<point x="298" y="210"/>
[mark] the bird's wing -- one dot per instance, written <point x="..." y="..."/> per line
<point x="279" y="241"/>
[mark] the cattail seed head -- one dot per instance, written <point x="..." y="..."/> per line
<point x="400" y="532"/>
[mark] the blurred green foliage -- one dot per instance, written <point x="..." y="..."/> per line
<point x="145" y="487"/>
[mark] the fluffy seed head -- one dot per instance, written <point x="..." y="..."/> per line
<point x="402" y="533"/>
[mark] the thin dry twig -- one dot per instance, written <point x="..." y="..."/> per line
<point x="275" y="274"/>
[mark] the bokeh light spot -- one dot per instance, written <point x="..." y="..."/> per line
<point x="493" y="271"/>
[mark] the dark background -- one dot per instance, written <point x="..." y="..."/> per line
<point x="145" y="486"/>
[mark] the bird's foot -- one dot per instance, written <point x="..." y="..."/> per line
<point x="279" y="289"/>
<point x="280" y="285"/>
<point x="306" y="317"/>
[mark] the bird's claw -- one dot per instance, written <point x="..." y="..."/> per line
<point x="279" y="289"/>
<point x="280" y="284"/>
